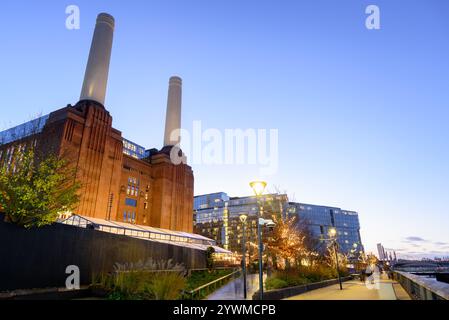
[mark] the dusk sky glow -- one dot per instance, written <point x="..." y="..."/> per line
<point x="362" y="115"/>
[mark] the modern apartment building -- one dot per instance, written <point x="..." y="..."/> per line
<point x="320" y="219"/>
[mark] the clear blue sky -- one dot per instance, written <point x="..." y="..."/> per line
<point x="362" y="115"/>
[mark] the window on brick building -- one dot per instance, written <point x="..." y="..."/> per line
<point x="131" y="202"/>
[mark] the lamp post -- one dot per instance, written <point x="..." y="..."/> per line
<point x="258" y="188"/>
<point x="243" y="218"/>
<point x="333" y="236"/>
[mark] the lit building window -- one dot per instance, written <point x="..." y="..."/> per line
<point x="131" y="202"/>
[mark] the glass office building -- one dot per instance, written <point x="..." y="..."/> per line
<point x="217" y="216"/>
<point x="320" y="219"/>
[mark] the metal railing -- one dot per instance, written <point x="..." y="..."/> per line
<point x="208" y="288"/>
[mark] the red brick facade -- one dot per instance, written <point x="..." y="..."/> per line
<point x="150" y="191"/>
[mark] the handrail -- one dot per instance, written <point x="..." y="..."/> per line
<point x="215" y="268"/>
<point x="207" y="285"/>
<point x="213" y="282"/>
<point x="177" y="270"/>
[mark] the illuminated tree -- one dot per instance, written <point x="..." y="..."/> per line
<point x="289" y="243"/>
<point x="331" y="260"/>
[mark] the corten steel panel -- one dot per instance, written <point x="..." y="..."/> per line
<point x="38" y="258"/>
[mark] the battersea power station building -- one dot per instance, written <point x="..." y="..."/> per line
<point x="120" y="180"/>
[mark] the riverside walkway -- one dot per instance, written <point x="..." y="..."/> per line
<point x="382" y="289"/>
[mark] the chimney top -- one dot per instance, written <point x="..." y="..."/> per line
<point x="106" y="18"/>
<point x="176" y="80"/>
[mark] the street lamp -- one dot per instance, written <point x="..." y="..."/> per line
<point x="332" y="233"/>
<point x="267" y="222"/>
<point x="258" y="188"/>
<point x="243" y="218"/>
<point x="333" y="236"/>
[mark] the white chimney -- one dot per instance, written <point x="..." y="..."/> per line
<point x="97" y="70"/>
<point x="173" y="117"/>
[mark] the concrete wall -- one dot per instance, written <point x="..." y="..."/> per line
<point x="422" y="288"/>
<point x="38" y="258"/>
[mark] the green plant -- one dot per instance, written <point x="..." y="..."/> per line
<point x="150" y="280"/>
<point x="275" y="283"/>
<point x="301" y="275"/>
<point x="149" y="265"/>
<point x="318" y="272"/>
<point x="133" y="284"/>
<point x="210" y="257"/>
<point x="35" y="188"/>
<point x="166" y="286"/>
<point x="199" y="278"/>
<point x="292" y="277"/>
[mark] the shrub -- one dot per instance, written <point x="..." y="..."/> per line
<point x="290" y="277"/>
<point x="166" y="286"/>
<point x="210" y="257"/>
<point x="320" y="273"/>
<point x="133" y="285"/>
<point x="275" y="283"/>
<point x="150" y="280"/>
<point x="199" y="278"/>
<point x="299" y="276"/>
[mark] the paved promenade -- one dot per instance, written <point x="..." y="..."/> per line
<point x="383" y="289"/>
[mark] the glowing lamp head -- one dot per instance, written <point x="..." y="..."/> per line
<point x="258" y="187"/>
<point x="332" y="232"/>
